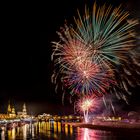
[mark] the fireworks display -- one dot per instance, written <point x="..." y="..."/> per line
<point x="80" y="73"/>
<point x="107" y="33"/>
<point x="87" y="104"/>
<point x="94" y="57"/>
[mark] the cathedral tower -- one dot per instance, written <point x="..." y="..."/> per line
<point x="24" y="109"/>
<point x="9" y="110"/>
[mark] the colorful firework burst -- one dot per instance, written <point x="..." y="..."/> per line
<point x="79" y="72"/>
<point x="87" y="104"/>
<point x="88" y="78"/>
<point x="90" y="56"/>
<point x="107" y="32"/>
<point x="110" y="35"/>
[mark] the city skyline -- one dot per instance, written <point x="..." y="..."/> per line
<point x="26" y="70"/>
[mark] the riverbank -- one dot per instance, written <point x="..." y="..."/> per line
<point x="109" y="126"/>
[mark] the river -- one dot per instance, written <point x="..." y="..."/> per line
<point x="59" y="131"/>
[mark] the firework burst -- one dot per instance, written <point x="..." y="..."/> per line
<point x="88" y="78"/>
<point x="87" y="104"/>
<point x="80" y="74"/>
<point x="107" y="32"/>
<point x="89" y="57"/>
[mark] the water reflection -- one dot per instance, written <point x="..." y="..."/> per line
<point x="90" y="134"/>
<point x="86" y="134"/>
<point x="3" y="135"/>
<point x="58" y="131"/>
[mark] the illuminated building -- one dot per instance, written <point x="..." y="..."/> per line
<point x="23" y="114"/>
<point x="9" y="108"/>
<point x="4" y="116"/>
<point x="13" y="113"/>
<point x="24" y="109"/>
<point x="10" y="112"/>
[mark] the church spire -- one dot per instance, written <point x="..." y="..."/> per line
<point x="13" y="110"/>
<point x="24" y="109"/>
<point x="9" y="108"/>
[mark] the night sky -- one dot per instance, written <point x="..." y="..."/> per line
<point x="25" y="58"/>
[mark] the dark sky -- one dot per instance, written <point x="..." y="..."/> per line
<point x="25" y="53"/>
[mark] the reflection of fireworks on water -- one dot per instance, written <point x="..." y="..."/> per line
<point x="86" y="134"/>
<point x="87" y="104"/>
